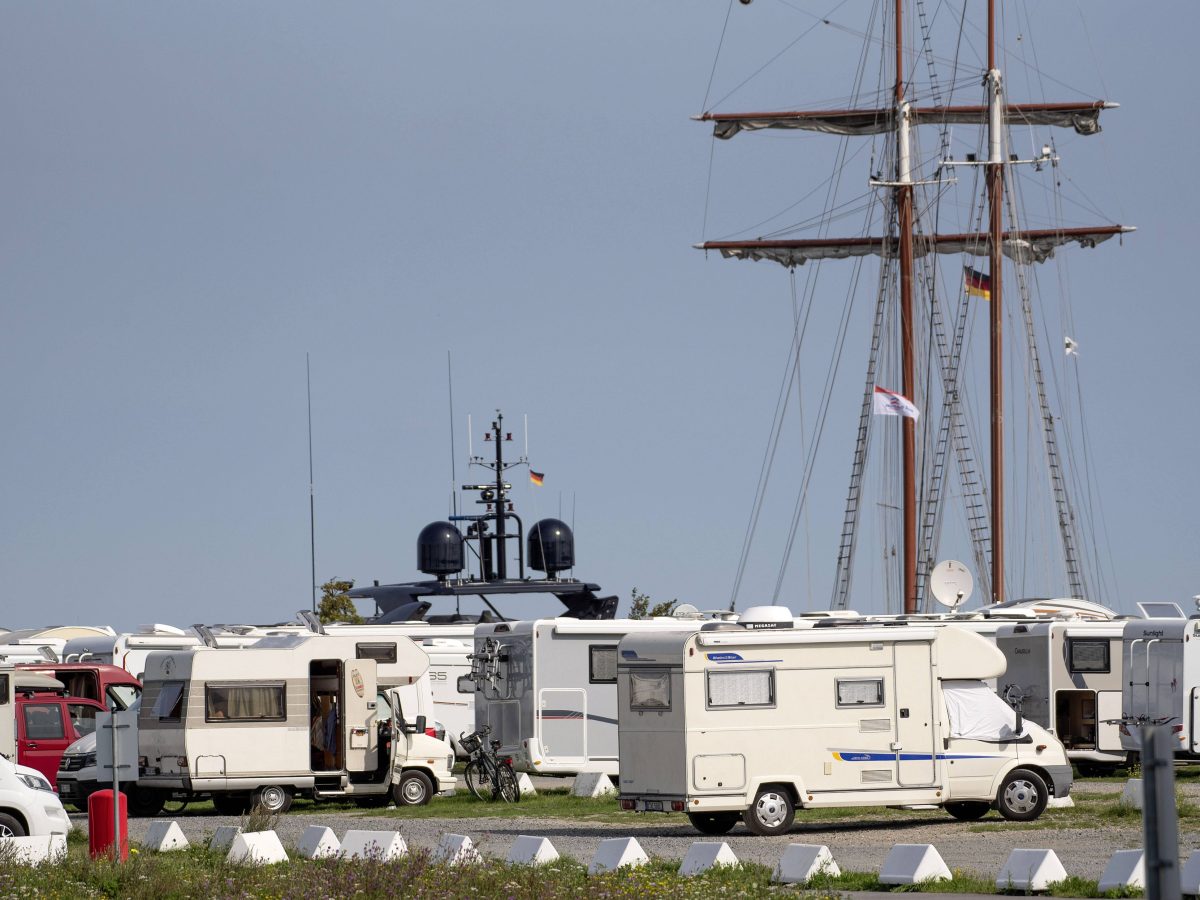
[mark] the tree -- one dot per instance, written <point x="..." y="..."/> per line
<point x="336" y="605"/>
<point x="640" y="608"/>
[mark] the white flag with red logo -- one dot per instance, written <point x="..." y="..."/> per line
<point x="889" y="403"/>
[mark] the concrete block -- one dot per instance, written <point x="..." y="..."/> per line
<point x="703" y="855"/>
<point x="592" y="784"/>
<point x="163" y="836"/>
<point x="33" y="851"/>
<point x="800" y="862"/>
<point x="381" y="845"/>
<point x="1030" y="870"/>
<point x="457" y="850"/>
<point x="1189" y="878"/>
<point x="256" y="848"/>
<point x="1127" y="868"/>
<point x="222" y="838"/>
<point x="1132" y="795"/>
<point x="913" y="863"/>
<point x="1067" y="802"/>
<point x="525" y="783"/>
<point x="616" y="853"/>
<point x="529" y="850"/>
<point x="318" y="842"/>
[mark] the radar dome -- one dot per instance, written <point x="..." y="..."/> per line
<point x="440" y="550"/>
<point x="761" y="617"/>
<point x="551" y="546"/>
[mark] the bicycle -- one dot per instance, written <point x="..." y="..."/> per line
<point x="488" y="776"/>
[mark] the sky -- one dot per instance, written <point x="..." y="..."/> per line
<point x="197" y="196"/>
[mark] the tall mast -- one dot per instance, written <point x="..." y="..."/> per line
<point x="904" y="215"/>
<point x="995" y="189"/>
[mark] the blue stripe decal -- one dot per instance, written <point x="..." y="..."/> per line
<point x="744" y="662"/>
<point x="874" y="756"/>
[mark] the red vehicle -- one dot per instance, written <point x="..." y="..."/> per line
<point x="48" y="721"/>
<point x="109" y="685"/>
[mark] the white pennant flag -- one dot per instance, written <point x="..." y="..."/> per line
<point x="889" y="403"/>
<point x="1072" y="348"/>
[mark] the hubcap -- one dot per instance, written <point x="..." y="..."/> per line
<point x="1021" y="796"/>
<point x="414" y="791"/>
<point x="5" y="831"/>
<point x="771" y="810"/>
<point x="272" y="798"/>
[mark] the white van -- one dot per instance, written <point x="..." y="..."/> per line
<point x="724" y="722"/>
<point x="295" y="713"/>
<point x="28" y="805"/>
<point x="1162" y="682"/>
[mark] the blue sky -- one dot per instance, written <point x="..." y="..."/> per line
<point x="196" y="195"/>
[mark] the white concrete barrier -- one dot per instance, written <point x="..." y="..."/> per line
<point x="1030" y="870"/>
<point x="222" y="838"/>
<point x="1132" y="795"/>
<point x="1067" y="802"/>
<point x="381" y="845"/>
<point x="592" y="784"/>
<point x="162" y="836"/>
<point x="800" y="862"/>
<point x="913" y="863"/>
<point x="1127" y="868"/>
<point x="529" y="850"/>
<point x="525" y="783"/>
<point x="457" y="850"/>
<point x="616" y="853"/>
<point x="35" y="850"/>
<point x="704" y="855"/>
<point x="318" y="842"/>
<point x="1189" y="878"/>
<point x="256" y="848"/>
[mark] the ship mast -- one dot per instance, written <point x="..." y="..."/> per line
<point x="995" y="191"/>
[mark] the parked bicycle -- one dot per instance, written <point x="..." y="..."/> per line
<point x="488" y="776"/>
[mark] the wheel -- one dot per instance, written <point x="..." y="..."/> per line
<point x="231" y="804"/>
<point x="771" y="813"/>
<point x="413" y="789"/>
<point x="274" y="799"/>
<point x="478" y="781"/>
<point x="968" y="810"/>
<point x="1022" y="796"/>
<point x="508" y="788"/>
<point x="10" y="826"/>
<point x="713" y="823"/>
<point x="143" y="804"/>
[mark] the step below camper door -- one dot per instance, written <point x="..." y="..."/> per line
<point x="915" y="706"/>
<point x="359" y="731"/>
<point x="562" y="725"/>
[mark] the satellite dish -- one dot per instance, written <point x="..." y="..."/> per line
<point x="684" y="610"/>
<point x="951" y="583"/>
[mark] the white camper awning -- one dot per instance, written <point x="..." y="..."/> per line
<point x="977" y="714"/>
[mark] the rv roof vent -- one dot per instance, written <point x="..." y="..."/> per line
<point x="551" y="546"/>
<point x="440" y="550"/>
<point x="761" y="617"/>
<point x="719" y="626"/>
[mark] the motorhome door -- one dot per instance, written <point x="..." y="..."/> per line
<point x="359" y="730"/>
<point x="916" y="728"/>
<point x="8" y="720"/>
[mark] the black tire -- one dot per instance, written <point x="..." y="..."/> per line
<point x="144" y="803"/>
<point x="273" y="799"/>
<point x="231" y="804"/>
<point x="478" y="781"/>
<point x="10" y="826"/>
<point x="413" y="789"/>
<point x="771" y="812"/>
<point x="713" y="823"/>
<point x="968" y="810"/>
<point x="508" y="788"/>
<point x="1023" y="796"/>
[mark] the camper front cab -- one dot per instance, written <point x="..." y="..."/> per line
<point x="726" y="722"/>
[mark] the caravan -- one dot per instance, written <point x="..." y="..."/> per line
<point x="1162" y="682"/>
<point x="743" y="721"/>
<point x="293" y="714"/>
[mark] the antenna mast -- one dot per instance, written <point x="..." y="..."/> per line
<point x="312" y="509"/>
<point x="995" y="189"/>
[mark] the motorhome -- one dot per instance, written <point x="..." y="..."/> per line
<point x="130" y="649"/>
<point x="1162" y="682"/>
<point x="1066" y="676"/>
<point x="293" y="714"/>
<point x="548" y="689"/>
<point x="728" y="722"/>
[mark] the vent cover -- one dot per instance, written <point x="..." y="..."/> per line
<point x="865" y="725"/>
<point x="875" y="776"/>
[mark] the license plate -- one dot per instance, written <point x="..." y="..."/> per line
<point x="654" y="806"/>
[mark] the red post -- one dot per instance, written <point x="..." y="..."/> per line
<point x="100" y="825"/>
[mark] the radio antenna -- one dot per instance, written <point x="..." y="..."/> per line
<point x="453" y="467"/>
<point x="312" y="507"/>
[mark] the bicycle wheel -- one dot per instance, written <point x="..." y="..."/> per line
<point x="507" y="786"/>
<point x="478" y="782"/>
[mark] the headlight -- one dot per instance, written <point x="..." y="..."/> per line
<point x="89" y="759"/>
<point x="37" y="782"/>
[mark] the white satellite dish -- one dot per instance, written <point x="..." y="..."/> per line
<point x="951" y="583"/>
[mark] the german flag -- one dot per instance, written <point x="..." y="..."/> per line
<point x="537" y="477"/>
<point x="978" y="284"/>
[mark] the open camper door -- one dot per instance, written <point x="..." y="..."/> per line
<point x="359" y="733"/>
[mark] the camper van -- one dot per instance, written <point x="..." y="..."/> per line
<point x="1066" y="676"/>
<point x="548" y="689"/>
<point x="753" y="721"/>
<point x="293" y="714"/>
<point x="1162" y="682"/>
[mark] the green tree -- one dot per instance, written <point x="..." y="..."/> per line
<point x="336" y="605"/>
<point x="640" y="608"/>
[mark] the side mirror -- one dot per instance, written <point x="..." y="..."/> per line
<point x="466" y="684"/>
<point x="419" y="725"/>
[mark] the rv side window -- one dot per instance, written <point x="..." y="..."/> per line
<point x="1088" y="656"/>
<point x="650" y="690"/>
<point x="384" y="653"/>
<point x="860" y="692"/>
<point x="602" y="664"/>
<point x="121" y="696"/>
<point x="734" y="689"/>
<point x="244" y="703"/>
<point x="4" y="690"/>
<point x="169" y="706"/>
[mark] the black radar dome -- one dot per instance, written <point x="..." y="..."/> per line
<point x="440" y="549"/>
<point x="551" y="546"/>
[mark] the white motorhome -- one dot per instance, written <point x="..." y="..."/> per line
<point x="1066" y="676"/>
<point x="1162" y="682"/>
<point x="293" y="714"/>
<point x="724" y="722"/>
<point x="130" y="649"/>
<point x="548" y="690"/>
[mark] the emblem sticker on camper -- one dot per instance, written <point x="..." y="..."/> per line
<point x="357" y="680"/>
<point x="724" y="657"/>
